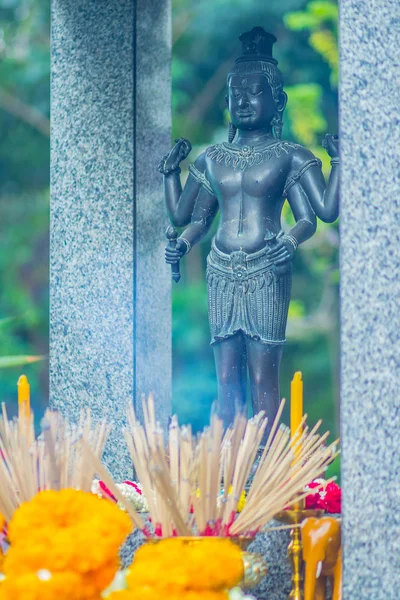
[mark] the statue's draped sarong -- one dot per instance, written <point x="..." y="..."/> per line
<point x="247" y="293"/>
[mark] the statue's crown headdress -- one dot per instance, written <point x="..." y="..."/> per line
<point x="256" y="57"/>
<point x="257" y="45"/>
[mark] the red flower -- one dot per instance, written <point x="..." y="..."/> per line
<point x="333" y="498"/>
<point x="314" y="501"/>
<point x="135" y="486"/>
<point x="106" y="491"/>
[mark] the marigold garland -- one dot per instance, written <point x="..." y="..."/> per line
<point x="131" y="490"/>
<point x="175" y="565"/>
<point x="62" y="586"/>
<point x="159" y="594"/>
<point x="63" y="532"/>
<point x="2" y="525"/>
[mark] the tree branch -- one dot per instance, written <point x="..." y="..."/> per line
<point x="29" y="114"/>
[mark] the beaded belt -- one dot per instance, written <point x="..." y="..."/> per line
<point x="239" y="265"/>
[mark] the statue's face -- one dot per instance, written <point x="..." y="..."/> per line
<point x="250" y="101"/>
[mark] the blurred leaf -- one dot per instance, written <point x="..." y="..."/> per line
<point x="325" y="44"/>
<point x="17" y="361"/>
<point x="296" y="21"/>
<point x="323" y="10"/>
<point x="296" y="309"/>
<point x="6" y="321"/>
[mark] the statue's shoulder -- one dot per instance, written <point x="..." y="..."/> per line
<point x="200" y="162"/>
<point x="300" y="156"/>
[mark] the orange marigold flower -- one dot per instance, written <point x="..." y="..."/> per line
<point x="175" y="565"/>
<point x="68" y="531"/>
<point x="122" y="595"/>
<point x="63" y="586"/>
<point x="157" y="594"/>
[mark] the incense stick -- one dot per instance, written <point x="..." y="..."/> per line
<point x="52" y="461"/>
<point x="197" y="470"/>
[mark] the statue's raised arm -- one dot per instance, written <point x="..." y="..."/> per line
<point x="195" y="206"/>
<point x="306" y="178"/>
<point x="180" y="203"/>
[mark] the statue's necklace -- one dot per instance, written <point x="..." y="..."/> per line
<point x="244" y="157"/>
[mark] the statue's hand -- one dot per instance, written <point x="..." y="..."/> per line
<point x="331" y="145"/>
<point x="283" y="250"/>
<point x="179" y="152"/>
<point x="173" y="255"/>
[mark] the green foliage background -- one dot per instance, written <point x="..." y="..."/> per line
<point x="205" y="44"/>
<point x="24" y="196"/>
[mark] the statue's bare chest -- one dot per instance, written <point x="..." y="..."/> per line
<point x="252" y="172"/>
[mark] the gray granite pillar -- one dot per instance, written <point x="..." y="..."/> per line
<point x="110" y="325"/>
<point x="370" y="293"/>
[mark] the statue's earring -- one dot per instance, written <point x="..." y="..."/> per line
<point x="277" y="125"/>
<point x="231" y="132"/>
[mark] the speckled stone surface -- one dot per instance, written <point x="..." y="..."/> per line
<point x="110" y="323"/>
<point x="273" y="546"/>
<point x="134" y="541"/>
<point x="370" y="293"/>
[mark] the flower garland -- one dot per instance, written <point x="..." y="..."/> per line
<point x="131" y="490"/>
<point x="234" y="594"/>
<point x="158" y="594"/>
<point x="2" y="534"/>
<point x="42" y="586"/>
<point x="327" y="498"/>
<point x="63" y="534"/>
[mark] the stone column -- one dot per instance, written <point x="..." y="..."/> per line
<point x="110" y="324"/>
<point x="370" y="292"/>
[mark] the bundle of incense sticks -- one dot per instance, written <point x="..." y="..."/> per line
<point x="183" y="483"/>
<point x="52" y="461"/>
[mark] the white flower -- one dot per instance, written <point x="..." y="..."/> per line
<point x="95" y="489"/>
<point x="44" y="575"/>
<point x="117" y="584"/>
<point x="137" y="500"/>
<point x="237" y="594"/>
<point x="128" y="491"/>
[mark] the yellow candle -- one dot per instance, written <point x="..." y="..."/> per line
<point x="24" y="402"/>
<point x="296" y="404"/>
<point x="296" y="416"/>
